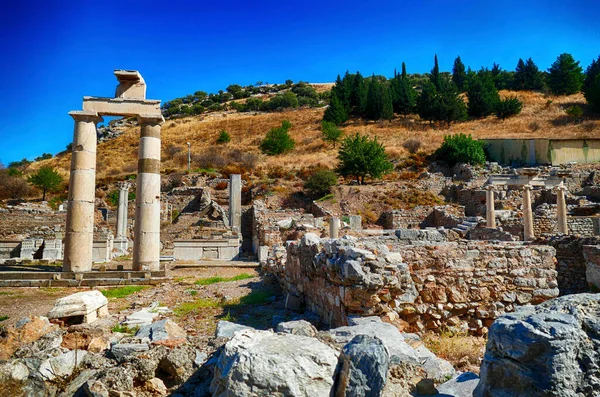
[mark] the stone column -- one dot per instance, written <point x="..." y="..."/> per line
<point x="528" y="233"/>
<point x="490" y="214"/>
<point x="561" y="210"/>
<point x="79" y="230"/>
<point x="121" y="241"/>
<point x="334" y="226"/>
<point x="146" y="242"/>
<point x="355" y="222"/>
<point x="235" y="202"/>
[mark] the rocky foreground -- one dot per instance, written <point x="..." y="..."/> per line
<point x="545" y="350"/>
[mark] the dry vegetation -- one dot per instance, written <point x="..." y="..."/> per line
<point x="542" y="116"/>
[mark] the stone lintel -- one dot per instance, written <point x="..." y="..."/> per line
<point x="132" y="76"/>
<point x="545" y="181"/>
<point x="130" y="107"/>
<point x="86" y="115"/>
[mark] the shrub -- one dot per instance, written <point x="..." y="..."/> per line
<point x="360" y="156"/>
<point x="320" y="183"/>
<point x="223" y="137"/>
<point x="331" y="132"/>
<point x="534" y="126"/>
<point x="278" y="140"/>
<point x="461" y="148"/>
<point x="12" y="186"/>
<point x="221" y="185"/>
<point x="574" y="112"/>
<point x="508" y="107"/>
<point x="173" y="150"/>
<point x="412" y="145"/>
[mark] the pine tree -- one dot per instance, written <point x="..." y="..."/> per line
<point x="374" y="105"/>
<point x="482" y="93"/>
<point x="444" y="104"/>
<point x="403" y="93"/>
<point x="591" y="84"/>
<point x="528" y="76"/>
<point x="335" y="113"/>
<point x="387" y="109"/>
<point x="520" y="75"/>
<point x="565" y="76"/>
<point x="458" y="74"/>
<point x="358" y="95"/>
<point x="426" y="101"/>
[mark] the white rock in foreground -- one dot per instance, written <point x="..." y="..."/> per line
<point x="89" y="304"/>
<point x="261" y="363"/>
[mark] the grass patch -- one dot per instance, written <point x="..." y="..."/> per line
<point x="228" y="317"/>
<point x="4" y="318"/>
<point x="217" y="279"/>
<point x="455" y="347"/>
<point x="191" y="307"/>
<point x="325" y="198"/>
<point x="192" y="292"/>
<point x="122" y="292"/>
<point x="123" y="329"/>
<point x="2" y="293"/>
<point x="256" y="297"/>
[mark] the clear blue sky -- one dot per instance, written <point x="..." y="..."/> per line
<point x="55" y="52"/>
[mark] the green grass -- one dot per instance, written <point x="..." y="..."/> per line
<point x="123" y="329"/>
<point x="256" y="297"/>
<point x="217" y="279"/>
<point x="3" y="318"/>
<point x="192" y="292"/>
<point x="189" y="307"/>
<point x="228" y="317"/>
<point x="326" y="197"/>
<point x="122" y="292"/>
<point x="5" y="293"/>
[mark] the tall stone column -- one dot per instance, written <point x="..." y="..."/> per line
<point x="490" y="214"/>
<point x="334" y="226"/>
<point x="121" y="241"/>
<point x="79" y="230"/>
<point x="561" y="210"/>
<point x="146" y="242"/>
<point x="528" y="233"/>
<point x="235" y="202"/>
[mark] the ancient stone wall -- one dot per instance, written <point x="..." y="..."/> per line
<point x="423" y="216"/>
<point x="545" y="222"/>
<point x="571" y="263"/>
<point x="488" y="233"/>
<point x="464" y="285"/>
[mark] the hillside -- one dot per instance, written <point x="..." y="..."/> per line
<point x="542" y="117"/>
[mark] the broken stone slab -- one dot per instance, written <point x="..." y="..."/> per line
<point x="161" y="330"/>
<point x="140" y="318"/>
<point x="461" y="385"/>
<point x="363" y="367"/>
<point x="227" y="329"/>
<point x="262" y="363"/>
<point x="299" y="327"/>
<point x="122" y="350"/>
<point x="61" y="366"/>
<point x="89" y="305"/>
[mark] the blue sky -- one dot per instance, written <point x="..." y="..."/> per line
<point x="55" y="52"/>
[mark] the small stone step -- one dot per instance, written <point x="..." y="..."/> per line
<point x="470" y="224"/>
<point x="463" y="227"/>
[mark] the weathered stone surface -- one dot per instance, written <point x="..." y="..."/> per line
<point x="591" y="254"/>
<point x="140" y="318"/>
<point x="25" y="331"/>
<point x="61" y="366"/>
<point x="300" y="327"/>
<point x="260" y="363"/>
<point x="161" y="330"/>
<point x="226" y="329"/>
<point x="122" y="350"/>
<point x="460" y="386"/>
<point x="89" y="304"/>
<point x="552" y="349"/>
<point x="363" y="368"/>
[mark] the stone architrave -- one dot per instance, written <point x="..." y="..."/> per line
<point x="334" y="227"/>
<point x="121" y="242"/>
<point x="79" y="231"/>
<point x="235" y="202"/>
<point x="528" y="233"/>
<point x="146" y="242"/>
<point x="52" y="249"/>
<point x="561" y="210"/>
<point x="89" y="305"/>
<point x="490" y="214"/>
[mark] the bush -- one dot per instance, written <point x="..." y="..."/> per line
<point x="223" y="137"/>
<point x="412" y="145"/>
<point x="461" y="148"/>
<point x="278" y="141"/>
<point x="508" y="107"/>
<point x="360" y="156"/>
<point x="574" y="112"/>
<point x="320" y="183"/>
<point x="12" y="186"/>
<point x="113" y="197"/>
<point x="331" y="132"/>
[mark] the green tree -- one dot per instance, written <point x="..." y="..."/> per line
<point x="278" y="140"/>
<point x="335" y="113"/>
<point x="444" y="104"/>
<point x="361" y="157"/>
<point x="223" y="137"/>
<point x="482" y="93"/>
<point x="528" y="76"/>
<point x="46" y="179"/>
<point x="358" y="95"/>
<point x="387" y="108"/>
<point x="508" y="107"/>
<point x="331" y="132"/>
<point x="591" y="84"/>
<point x="461" y="148"/>
<point x="565" y="76"/>
<point x="320" y="183"/>
<point x="459" y="75"/>
<point x="374" y="104"/>
<point x="435" y="73"/>
<point x="404" y="96"/>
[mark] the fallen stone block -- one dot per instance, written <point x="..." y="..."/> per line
<point x="227" y="329"/>
<point x="300" y="327"/>
<point x="89" y="305"/>
<point x="140" y="318"/>
<point x="161" y="330"/>
<point x="61" y="366"/>
<point x="123" y="350"/>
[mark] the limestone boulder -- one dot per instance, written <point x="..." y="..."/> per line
<point x="552" y="349"/>
<point x="123" y="350"/>
<point x="161" y="330"/>
<point x="89" y="305"/>
<point x="300" y="327"/>
<point x="61" y="366"/>
<point x="140" y="318"/>
<point x="227" y="329"/>
<point x="25" y="331"/>
<point x="261" y="363"/>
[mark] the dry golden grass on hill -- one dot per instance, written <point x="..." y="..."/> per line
<point x="542" y="117"/>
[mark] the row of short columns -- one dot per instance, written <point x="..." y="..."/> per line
<point x="79" y="236"/>
<point x="528" y="233"/>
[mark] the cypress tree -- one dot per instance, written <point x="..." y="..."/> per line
<point x="403" y="94"/>
<point x="451" y="106"/>
<point x="358" y="95"/>
<point x="335" y="113"/>
<point x="459" y="74"/>
<point x="591" y="84"/>
<point x="565" y="76"/>
<point x="482" y="93"/>
<point x="426" y="101"/>
<point x="404" y="70"/>
<point x="435" y="73"/>
<point x="387" y="109"/>
<point x="374" y="105"/>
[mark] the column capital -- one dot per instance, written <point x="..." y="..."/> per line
<point x="490" y="187"/>
<point x="124" y="185"/>
<point x="527" y="187"/>
<point x="84" y="115"/>
<point x="151" y="119"/>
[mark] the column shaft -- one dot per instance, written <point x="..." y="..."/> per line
<point x="334" y="225"/>
<point x="146" y="244"/>
<point x="528" y="233"/>
<point x="490" y="213"/>
<point x="235" y="201"/>
<point x="561" y="211"/>
<point x="79" y="229"/>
